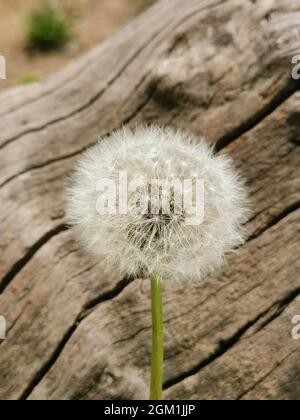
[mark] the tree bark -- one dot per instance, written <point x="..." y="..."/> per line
<point x="221" y="70"/>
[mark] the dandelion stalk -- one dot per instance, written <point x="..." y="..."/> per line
<point x="157" y="338"/>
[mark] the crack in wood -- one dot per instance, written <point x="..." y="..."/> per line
<point x="89" y="103"/>
<point x="47" y="366"/>
<point x="223" y="347"/>
<point x="276" y="219"/>
<point x="244" y="393"/>
<point x="127" y="120"/>
<point x="120" y="286"/>
<point x="229" y="343"/>
<point x="277" y="309"/>
<point x="281" y="97"/>
<point x="90" y="306"/>
<point x="44" y="165"/>
<point x="20" y="264"/>
<point x="70" y="79"/>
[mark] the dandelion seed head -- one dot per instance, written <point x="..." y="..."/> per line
<point x="146" y="238"/>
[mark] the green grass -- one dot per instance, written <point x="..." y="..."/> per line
<point x="28" y="79"/>
<point x="147" y="3"/>
<point x="144" y="4"/>
<point x="49" y="27"/>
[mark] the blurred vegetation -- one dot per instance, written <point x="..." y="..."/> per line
<point x="144" y="4"/>
<point x="49" y="27"/>
<point x="28" y="78"/>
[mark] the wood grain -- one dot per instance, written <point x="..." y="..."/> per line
<point x="77" y="333"/>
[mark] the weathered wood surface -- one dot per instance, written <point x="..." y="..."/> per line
<point x="215" y="68"/>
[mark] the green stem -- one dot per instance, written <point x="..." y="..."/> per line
<point x="157" y="338"/>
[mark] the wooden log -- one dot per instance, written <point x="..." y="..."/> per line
<point x="218" y="69"/>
